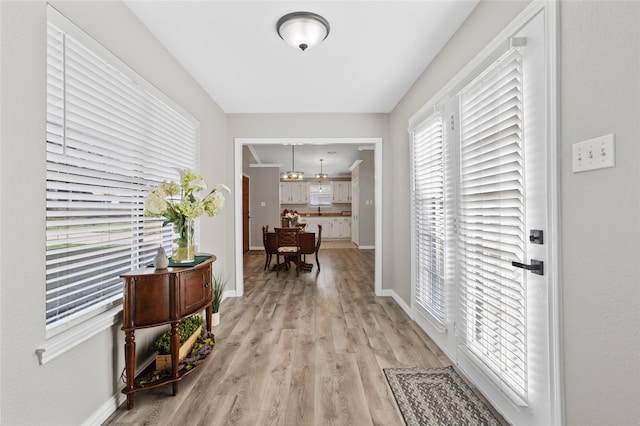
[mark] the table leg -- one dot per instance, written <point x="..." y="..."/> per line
<point x="130" y="364"/>
<point x="175" y="352"/>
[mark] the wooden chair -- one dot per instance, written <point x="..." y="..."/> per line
<point x="288" y="246"/>
<point x="270" y="247"/>
<point x="318" y="245"/>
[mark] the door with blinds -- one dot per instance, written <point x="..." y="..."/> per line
<point x="481" y="213"/>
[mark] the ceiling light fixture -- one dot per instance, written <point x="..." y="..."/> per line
<point x="302" y="30"/>
<point x="321" y="175"/>
<point x="293" y="174"/>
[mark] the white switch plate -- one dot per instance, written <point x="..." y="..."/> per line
<point x="598" y="153"/>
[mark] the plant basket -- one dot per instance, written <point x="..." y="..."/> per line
<point x="164" y="361"/>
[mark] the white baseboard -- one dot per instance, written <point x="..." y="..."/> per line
<point x="228" y="293"/>
<point x="391" y="293"/>
<point x="106" y="410"/>
<point x="367" y="247"/>
<point x="112" y="404"/>
<point x="256" y="247"/>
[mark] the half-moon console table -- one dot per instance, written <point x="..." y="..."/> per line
<point x="155" y="297"/>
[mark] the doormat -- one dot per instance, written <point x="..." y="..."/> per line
<point x="437" y="396"/>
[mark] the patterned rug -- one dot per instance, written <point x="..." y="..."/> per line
<point x="437" y="397"/>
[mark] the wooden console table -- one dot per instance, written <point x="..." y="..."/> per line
<point x="154" y="297"/>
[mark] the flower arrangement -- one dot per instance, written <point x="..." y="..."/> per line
<point x="182" y="203"/>
<point x="290" y="217"/>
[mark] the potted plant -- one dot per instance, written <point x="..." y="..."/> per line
<point x="189" y="329"/>
<point x="219" y="283"/>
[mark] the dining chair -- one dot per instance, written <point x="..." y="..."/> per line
<point x="318" y="245"/>
<point x="288" y="246"/>
<point x="270" y="247"/>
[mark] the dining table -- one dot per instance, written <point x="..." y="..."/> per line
<point x="307" y="241"/>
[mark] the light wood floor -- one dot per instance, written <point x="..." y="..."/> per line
<point x="297" y="351"/>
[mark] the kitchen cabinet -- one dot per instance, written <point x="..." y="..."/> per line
<point x="344" y="227"/>
<point x="312" y="225"/>
<point x="341" y="191"/>
<point x="294" y="192"/>
<point x="332" y="227"/>
<point x="341" y="227"/>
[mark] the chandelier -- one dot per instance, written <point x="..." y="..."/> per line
<point x="303" y="30"/>
<point x="293" y="174"/>
<point x="321" y="175"/>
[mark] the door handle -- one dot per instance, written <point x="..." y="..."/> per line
<point x="536" y="267"/>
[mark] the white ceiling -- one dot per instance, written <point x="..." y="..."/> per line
<point x="338" y="158"/>
<point x="374" y="52"/>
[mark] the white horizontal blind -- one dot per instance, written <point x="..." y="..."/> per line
<point x="108" y="140"/>
<point x="320" y="195"/>
<point x="429" y="217"/>
<point x="491" y="225"/>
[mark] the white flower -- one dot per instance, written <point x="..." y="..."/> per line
<point x="155" y="204"/>
<point x="177" y="202"/>
<point x="224" y="187"/>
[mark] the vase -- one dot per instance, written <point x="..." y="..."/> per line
<point x="184" y="249"/>
<point x="161" y="261"/>
<point x="215" y="319"/>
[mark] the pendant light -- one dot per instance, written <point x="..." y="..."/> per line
<point x="321" y="175"/>
<point x="293" y="174"/>
<point x="302" y="30"/>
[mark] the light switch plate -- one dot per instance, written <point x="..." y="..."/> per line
<point x="598" y="153"/>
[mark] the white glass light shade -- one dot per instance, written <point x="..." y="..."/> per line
<point x="303" y="30"/>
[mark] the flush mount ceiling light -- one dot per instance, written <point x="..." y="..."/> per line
<point x="293" y="174"/>
<point x="321" y="175"/>
<point x="303" y="30"/>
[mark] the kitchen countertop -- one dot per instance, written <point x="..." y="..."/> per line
<point x="303" y="215"/>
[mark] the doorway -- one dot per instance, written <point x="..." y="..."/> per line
<point x="240" y="143"/>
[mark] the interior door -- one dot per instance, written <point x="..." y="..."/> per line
<point x="245" y="213"/>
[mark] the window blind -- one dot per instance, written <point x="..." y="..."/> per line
<point x="108" y="140"/>
<point x="320" y="195"/>
<point x="429" y="217"/>
<point x="491" y="222"/>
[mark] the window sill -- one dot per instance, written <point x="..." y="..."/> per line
<point x="61" y="343"/>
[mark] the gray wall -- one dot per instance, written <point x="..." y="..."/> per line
<point x="599" y="63"/>
<point x="600" y="94"/>
<point x="84" y="381"/>
<point x="264" y="187"/>
<point x="367" y="215"/>
<point x="484" y="23"/>
<point x="600" y="233"/>
<point x="308" y="126"/>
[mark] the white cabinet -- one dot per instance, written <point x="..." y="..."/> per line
<point x="340" y="228"/>
<point x="335" y="228"/>
<point x="332" y="227"/>
<point x="294" y="192"/>
<point x="312" y="225"/>
<point x="340" y="191"/>
<point x="344" y="228"/>
<point x="326" y="227"/>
